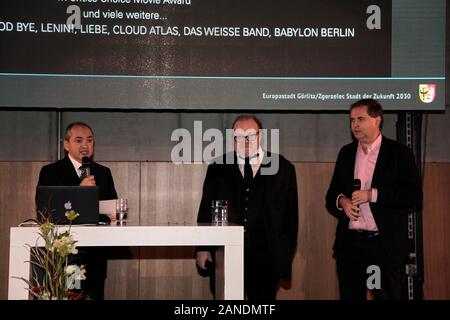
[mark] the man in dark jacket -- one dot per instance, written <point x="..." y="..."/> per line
<point x="375" y="184"/>
<point x="264" y="202"/>
<point x="79" y="143"/>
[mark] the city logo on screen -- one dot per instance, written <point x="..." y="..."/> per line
<point x="427" y="92"/>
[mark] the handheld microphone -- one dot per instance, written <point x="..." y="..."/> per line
<point x="356" y="186"/>
<point x="86" y="162"/>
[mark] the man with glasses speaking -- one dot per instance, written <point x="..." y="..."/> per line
<point x="263" y="201"/>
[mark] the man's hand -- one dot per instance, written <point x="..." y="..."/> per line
<point x="351" y="210"/>
<point x="361" y="196"/>
<point x="88" y="181"/>
<point x="202" y="257"/>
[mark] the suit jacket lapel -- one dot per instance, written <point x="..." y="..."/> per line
<point x="381" y="162"/>
<point x="235" y="171"/>
<point x="69" y="168"/>
<point x="351" y="164"/>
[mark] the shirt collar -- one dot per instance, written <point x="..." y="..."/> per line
<point x="75" y="163"/>
<point x="374" y="146"/>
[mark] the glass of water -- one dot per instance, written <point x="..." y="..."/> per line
<point x="219" y="212"/>
<point x="121" y="210"/>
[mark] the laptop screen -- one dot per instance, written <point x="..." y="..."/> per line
<point x="57" y="200"/>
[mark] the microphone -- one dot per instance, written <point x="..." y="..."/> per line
<point x="86" y="162"/>
<point x="356" y="186"/>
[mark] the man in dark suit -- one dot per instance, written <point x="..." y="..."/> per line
<point x="79" y="143"/>
<point x="264" y="202"/>
<point x="372" y="219"/>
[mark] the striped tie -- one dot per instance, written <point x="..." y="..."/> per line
<point x="83" y="172"/>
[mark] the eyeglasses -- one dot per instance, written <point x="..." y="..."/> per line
<point x="249" y="138"/>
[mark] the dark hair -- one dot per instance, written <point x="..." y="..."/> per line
<point x="374" y="108"/>
<point x="247" y="117"/>
<point x="75" y="124"/>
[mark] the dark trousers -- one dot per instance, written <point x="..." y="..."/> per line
<point x="260" y="277"/>
<point x="95" y="260"/>
<point x="353" y="274"/>
<point x="260" y="285"/>
<point x="260" y="280"/>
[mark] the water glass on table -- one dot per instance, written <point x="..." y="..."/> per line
<point x="219" y="212"/>
<point x="121" y="210"/>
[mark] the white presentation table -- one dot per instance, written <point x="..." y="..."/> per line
<point x="231" y="238"/>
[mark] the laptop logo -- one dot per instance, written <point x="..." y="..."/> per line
<point x="68" y="205"/>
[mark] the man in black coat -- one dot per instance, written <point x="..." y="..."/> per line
<point x="79" y="143"/>
<point x="373" y="221"/>
<point x="261" y="191"/>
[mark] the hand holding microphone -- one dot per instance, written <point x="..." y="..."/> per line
<point x="356" y="187"/>
<point x="350" y="208"/>
<point x="88" y="179"/>
<point x="360" y="196"/>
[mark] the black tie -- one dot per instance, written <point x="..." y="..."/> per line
<point x="248" y="173"/>
<point x="83" y="172"/>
